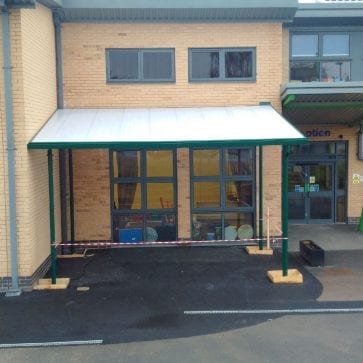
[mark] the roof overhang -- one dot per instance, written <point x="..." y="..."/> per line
<point x="17" y="3"/>
<point x="177" y="10"/>
<point x="333" y="13"/>
<point x="323" y="103"/>
<point x="165" y="128"/>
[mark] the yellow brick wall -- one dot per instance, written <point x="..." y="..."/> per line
<point x="91" y="194"/>
<point x="84" y="71"/>
<point x="84" y="65"/>
<point x="34" y="101"/>
<point x="355" y="166"/>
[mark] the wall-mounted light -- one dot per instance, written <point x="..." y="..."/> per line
<point x="360" y="142"/>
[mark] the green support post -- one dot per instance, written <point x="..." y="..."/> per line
<point x="53" y="249"/>
<point x="260" y="178"/>
<point x="71" y="197"/>
<point x="285" y="209"/>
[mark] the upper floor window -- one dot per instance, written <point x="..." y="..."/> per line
<point x="140" y="65"/>
<point x="233" y="64"/>
<point x="320" y="57"/>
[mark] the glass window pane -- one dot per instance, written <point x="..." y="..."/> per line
<point x="304" y="45"/>
<point x="127" y="196"/>
<point x="335" y="45"/>
<point x="129" y="222"/>
<point x="297" y="178"/>
<point x="322" y="147"/>
<point x="123" y="65"/>
<point x="239" y="225"/>
<point x="159" y="163"/>
<point x="341" y="175"/>
<point x="207" y="195"/>
<point x="160" y="227"/>
<point x="157" y="65"/>
<point x="305" y="71"/>
<point x="296" y="208"/>
<point x="335" y="71"/>
<point x="206" y="227"/>
<point x="160" y="195"/>
<point x="126" y="164"/>
<point x="321" y="207"/>
<point x="238" y="194"/>
<point x="206" y="162"/>
<point x="238" y="64"/>
<point x="205" y="64"/>
<point x="341" y="148"/>
<point x="238" y="162"/>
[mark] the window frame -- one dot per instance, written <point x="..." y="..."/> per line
<point x="221" y="52"/>
<point x="140" y="53"/>
<point x="222" y="178"/>
<point x="143" y="179"/>
<point x="320" y="58"/>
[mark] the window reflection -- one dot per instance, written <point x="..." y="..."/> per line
<point x="238" y="64"/>
<point x="160" y="195"/>
<point x="207" y="194"/>
<point x="126" y="164"/>
<point x="159" y="163"/>
<point x="206" y="162"/>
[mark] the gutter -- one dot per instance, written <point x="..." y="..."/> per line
<point x="14" y="290"/>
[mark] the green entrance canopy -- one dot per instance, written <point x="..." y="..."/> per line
<point x="165" y="127"/>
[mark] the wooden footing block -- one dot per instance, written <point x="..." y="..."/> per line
<point x="293" y="277"/>
<point x="46" y="284"/>
<point x="255" y="250"/>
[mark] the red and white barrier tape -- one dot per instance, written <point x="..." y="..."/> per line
<point x="110" y="244"/>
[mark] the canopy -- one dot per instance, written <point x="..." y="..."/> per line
<point x="165" y="127"/>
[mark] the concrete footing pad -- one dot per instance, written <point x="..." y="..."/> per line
<point x="293" y="277"/>
<point x="255" y="250"/>
<point x="46" y="284"/>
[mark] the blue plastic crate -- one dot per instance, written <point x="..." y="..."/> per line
<point x="132" y="235"/>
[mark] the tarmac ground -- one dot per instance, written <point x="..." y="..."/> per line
<point x="145" y="294"/>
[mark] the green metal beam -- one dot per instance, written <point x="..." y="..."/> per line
<point x="53" y="249"/>
<point x="162" y="145"/>
<point x="285" y="209"/>
<point x="71" y="197"/>
<point x="260" y="182"/>
<point x="288" y="100"/>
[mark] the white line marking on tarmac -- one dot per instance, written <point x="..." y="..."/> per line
<point x="52" y="344"/>
<point x="275" y="311"/>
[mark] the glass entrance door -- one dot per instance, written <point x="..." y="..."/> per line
<point x="311" y="192"/>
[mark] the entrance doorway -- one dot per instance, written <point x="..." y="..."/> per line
<point x="317" y="183"/>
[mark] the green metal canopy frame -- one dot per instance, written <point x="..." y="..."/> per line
<point x="296" y="138"/>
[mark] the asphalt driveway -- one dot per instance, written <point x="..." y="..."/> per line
<point x="141" y="294"/>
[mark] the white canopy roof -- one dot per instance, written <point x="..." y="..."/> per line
<point x="165" y="127"/>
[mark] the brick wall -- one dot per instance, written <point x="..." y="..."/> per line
<point x="84" y="70"/>
<point x="34" y="101"/>
<point x="91" y="194"/>
<point x="84" y="65"/>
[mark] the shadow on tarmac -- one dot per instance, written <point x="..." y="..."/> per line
<point x="140" y="294"/>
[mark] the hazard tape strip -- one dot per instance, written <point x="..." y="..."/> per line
<point x="252" y="241"/>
